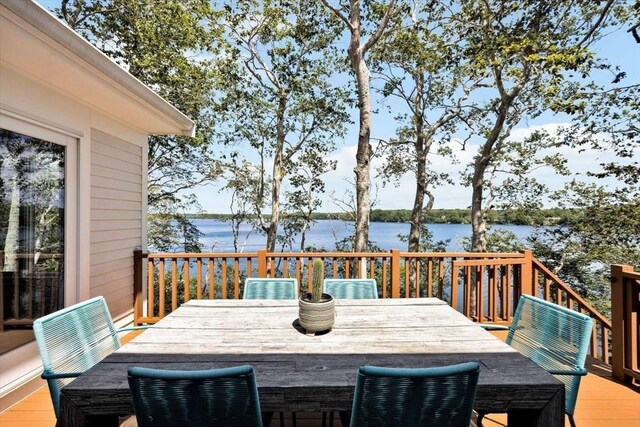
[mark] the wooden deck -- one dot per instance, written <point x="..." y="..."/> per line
<point x="602" y="402"/>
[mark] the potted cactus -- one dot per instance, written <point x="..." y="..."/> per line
<point x="316" y="309"/>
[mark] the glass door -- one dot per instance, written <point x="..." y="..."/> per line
<point x="32" y="233"/>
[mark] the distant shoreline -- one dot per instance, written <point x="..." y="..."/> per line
<point x="545" y="217"/>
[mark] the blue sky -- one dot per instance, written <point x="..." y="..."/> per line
<point x="618" y="47"/>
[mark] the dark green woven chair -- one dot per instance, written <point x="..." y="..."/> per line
<point x="72" y="340"/>
<point x="215" y="397"/>
<point x="274" y="288"/>
<point x="351" y="288"/>
<point x="435" y="397"/>
<point x="554" y="337"/>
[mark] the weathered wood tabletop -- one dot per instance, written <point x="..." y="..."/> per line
<point x="297" y="372"/>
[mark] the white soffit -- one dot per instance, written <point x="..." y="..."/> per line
<point x="38" y="44"/>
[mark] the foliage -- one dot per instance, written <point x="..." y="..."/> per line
<point x="605" y="227"/>
<point x="177" y="232"/>
<point x="604" y="231"/>
<point x="357" y="17"/>
<point x="31" y="203"/>
<point x="414" y="61"/>
<point x="523" y="51"/>
<point x="166" y="44"/>
<point x="277" y="100"/>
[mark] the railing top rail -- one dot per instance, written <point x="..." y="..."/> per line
<point x="461" y="255"/>
<point x="402" y="254"/>
<point x="488" y="262"/>
<point x="201" y="255"/>
<point x="330" y="254"/>
<point x="631" y="275"/>
<point x="572" y="293"/>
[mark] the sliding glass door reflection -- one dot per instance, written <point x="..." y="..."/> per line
<point x="32" y="195"/>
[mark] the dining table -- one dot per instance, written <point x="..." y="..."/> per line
<point x="296" y="371"/>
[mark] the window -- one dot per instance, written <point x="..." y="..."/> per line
<point x="32" y="233"/>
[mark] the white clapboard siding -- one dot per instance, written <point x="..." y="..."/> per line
<point x="116" y="218"/>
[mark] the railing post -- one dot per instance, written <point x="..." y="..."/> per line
<point x="262" y="263"/>
<point x="395" y="273"/>
<point x="526" y="275"/>
<point x="618" y="348"/>
<point x="138" y="296"/>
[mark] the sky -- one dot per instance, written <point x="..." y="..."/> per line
<point x="619" y="47"/>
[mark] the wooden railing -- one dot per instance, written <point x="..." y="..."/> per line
<point x="625" y="315"/>
<point x="551" y="288"/>
<point x="483" y="286"/>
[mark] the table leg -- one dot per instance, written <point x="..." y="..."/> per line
<point x="70" y="416"/>
<point x="552" y="415"/>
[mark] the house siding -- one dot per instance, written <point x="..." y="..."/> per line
<point x="116" y="218"/>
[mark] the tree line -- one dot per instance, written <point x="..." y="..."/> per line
<point x="545" y="217"/>
<point x="273" y="86"/>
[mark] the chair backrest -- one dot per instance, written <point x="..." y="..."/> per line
<point x="216" y="397"/>
<point x="351" y="288"/>
<point x="74" y="339"/>
<point x="554" y="337"/>
<point x="275" y="288"/>
<point x="436" y="397"/>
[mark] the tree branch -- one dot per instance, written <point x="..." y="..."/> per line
<point x="382" y="25"/>
<point x="339" y="14"/>
<point x="595" y="26"/>
<point x="634" y="32"/>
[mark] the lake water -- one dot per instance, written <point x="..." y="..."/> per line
<point x="324" y="233"/>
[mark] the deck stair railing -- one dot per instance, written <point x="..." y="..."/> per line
<point x="625" y="317"/>
<point x="482" y="286"/>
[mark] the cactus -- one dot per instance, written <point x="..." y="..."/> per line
<point x="317" y="281"/>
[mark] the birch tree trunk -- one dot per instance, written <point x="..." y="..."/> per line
<point x="356" y="53"/>
<point x="13" y="228"/>
<point x="497" y="134"/>
<point x="363" y="154"/>
<point x="277" y="174"/>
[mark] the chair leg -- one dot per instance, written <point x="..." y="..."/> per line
<point x="281" y="419"/>
<point x="345" y="418"/>
<point x="324" y="418"/>
<point x="293" y="419"/>
<point x="571" y="420"/>
<point x="480" y="417"/>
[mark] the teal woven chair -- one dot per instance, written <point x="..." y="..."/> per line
<point x="351" y="288"/>
<point x="554" y="337"/>
<point x="275" y="288"/>
<point x="271" y="288"/>
<point x="215" y="397"/>
<point x="74" y="339"/>
<point x="348" y="289"/>
<point x="435" y="397"/>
